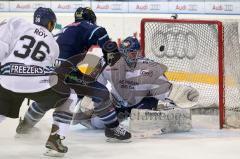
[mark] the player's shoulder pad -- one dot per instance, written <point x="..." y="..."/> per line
<point x="99" y="34"/>
<point x="16" y="21"/>
<point x="156" y="67"/>
<point x="87" y="24"/>
<point x="17" y="24"/>
<point x="100" y="30"/>
<point x="93" y="27"/>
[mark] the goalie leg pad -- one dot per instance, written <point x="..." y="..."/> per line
<point x="147" y="123"/>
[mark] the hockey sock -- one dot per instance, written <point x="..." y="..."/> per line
<point x="63" y="128"/>
<point x="34" y="114"/>
<point x="107" y="114"/>
<point x="97" y="123"/>
<point x="62" y="117"/>
<point x="2" y="117"/>
<point x="110" y="119"/>
<point x="63" y="120"/>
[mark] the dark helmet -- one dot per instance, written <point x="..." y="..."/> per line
<point x="130" y="44"/>
<point x="42" y="16"/>
<point x="85" y="13"/>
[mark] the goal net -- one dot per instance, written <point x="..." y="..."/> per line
<point x="203" y="54"/>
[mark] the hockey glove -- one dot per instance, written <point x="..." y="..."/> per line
<point x="110" y="52"/>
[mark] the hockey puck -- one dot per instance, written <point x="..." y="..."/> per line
<point x="161" y="48"/>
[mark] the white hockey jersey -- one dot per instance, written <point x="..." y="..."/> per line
<point x="129" y="87"/>
<point x="27" y="55"/>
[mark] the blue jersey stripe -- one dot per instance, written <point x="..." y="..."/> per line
<point x="93" y="32"/>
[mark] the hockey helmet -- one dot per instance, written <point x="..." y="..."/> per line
<point x="85" y="13"/>
<point x="42" y="16"/>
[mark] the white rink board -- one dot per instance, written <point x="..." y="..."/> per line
<point x="119" y="26"/>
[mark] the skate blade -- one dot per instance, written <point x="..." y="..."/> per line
<point x="33" y="133"/>
<point x="21" y="136"/>
<point x="53" y="153"/>
<point x="50" y="157"/>
<point x="114" y="140"/>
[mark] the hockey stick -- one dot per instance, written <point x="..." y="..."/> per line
<point x="28" y="102"/>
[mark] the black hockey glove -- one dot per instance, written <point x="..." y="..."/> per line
<point x="110" y="52"/>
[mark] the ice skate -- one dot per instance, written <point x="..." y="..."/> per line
<point x="54" y="145"/>
<point x="23" y="127"/>
<point x="118" y="134"/>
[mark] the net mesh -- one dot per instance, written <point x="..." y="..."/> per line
<point x="191" y="52"/>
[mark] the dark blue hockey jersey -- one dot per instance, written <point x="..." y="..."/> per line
<point x="78" y="37"/>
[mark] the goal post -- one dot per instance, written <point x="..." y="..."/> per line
<point x="204" y="54"/>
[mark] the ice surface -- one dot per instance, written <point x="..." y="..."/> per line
<point x="204" y="141"/>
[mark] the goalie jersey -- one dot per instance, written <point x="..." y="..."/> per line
<point x="28" y="52"/>
<point x="129" y="86"/>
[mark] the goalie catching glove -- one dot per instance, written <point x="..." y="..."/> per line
<point x="184" y="96"/>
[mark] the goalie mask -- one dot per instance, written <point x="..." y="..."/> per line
<point x="130" y="49"/>
<point x="85" y="13"/>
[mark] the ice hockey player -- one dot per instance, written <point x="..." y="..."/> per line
<point x="136" y="82"/>
<point x="74" y="41"/>
<point x="28" y="54"/>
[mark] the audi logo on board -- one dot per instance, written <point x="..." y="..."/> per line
<point x="174" y="43"/>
